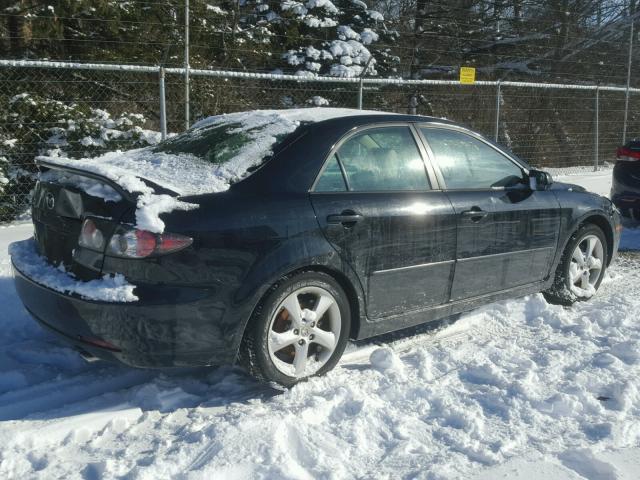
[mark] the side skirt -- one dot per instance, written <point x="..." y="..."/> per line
<point x="410" y="319"/>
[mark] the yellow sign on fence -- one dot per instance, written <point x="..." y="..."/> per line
<point x="467" y="75"/>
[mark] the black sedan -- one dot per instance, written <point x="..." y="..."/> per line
<point x="625" y="188"/>
<point x="273" y="237"/>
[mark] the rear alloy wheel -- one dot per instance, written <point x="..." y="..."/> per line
<point x="300" y="330"/>
<point x="582" y="268"/>
<point x="304" y="331"/>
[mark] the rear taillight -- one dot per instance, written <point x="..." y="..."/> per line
<point x="129" y="242"/>
<point x="626" y="154"/>
<point x="91" y="236"/>
<point x="134" y="243"/>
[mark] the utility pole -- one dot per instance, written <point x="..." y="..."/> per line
<point x="626" y="98"/>
<point x="187" y="121"/>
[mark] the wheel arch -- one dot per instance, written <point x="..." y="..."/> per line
<point x="354" y="296"/>
<point x="343" y="280"/>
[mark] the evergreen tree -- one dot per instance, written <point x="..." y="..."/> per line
<point x="322" y="37"/>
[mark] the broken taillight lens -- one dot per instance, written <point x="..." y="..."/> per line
<point x="91" y="236"/>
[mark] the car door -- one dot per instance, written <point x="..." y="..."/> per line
<point x="375" y="203"/>
<point x="507" y="233"/>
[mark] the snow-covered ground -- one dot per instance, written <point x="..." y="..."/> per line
<point x="598" y="182"/>
<point x="516" y="389"/>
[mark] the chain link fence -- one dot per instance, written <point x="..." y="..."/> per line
<point x="86" y="109"/>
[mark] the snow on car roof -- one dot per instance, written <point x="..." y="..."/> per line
<point x="187" y="174"/>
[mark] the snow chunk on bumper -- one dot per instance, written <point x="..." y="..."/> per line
<point x="25" y="258"/>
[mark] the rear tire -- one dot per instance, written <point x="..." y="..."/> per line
<point x="299" y="330"/>
<point x="581" y="268"/>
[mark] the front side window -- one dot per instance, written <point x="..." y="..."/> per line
<point x="377" y="159"/>
<point x="469" y="163"/>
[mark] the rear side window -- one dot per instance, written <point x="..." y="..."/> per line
<point x="378" y="159"/>
<point x="331" y="179"/>
<point x="468" y="163"/>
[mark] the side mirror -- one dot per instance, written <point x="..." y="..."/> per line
<point x="539" y="180"/>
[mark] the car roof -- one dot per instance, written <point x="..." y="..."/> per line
<point x="368" y="118"/>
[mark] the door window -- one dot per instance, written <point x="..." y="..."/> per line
<point x="378" y="159"/>
<point x="468" y="163"/>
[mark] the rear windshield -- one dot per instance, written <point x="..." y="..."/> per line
<point x="217" y="143"/>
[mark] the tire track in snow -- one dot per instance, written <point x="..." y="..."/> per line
<point x="46" y="397"/>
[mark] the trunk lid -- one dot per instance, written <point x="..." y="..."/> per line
<point x="62" y="199"/>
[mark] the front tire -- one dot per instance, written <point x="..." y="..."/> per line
<point x="299" y="330"/>
<point x="581" y="268"/>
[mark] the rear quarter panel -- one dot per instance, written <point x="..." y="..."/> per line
<point x="244" y="243"/>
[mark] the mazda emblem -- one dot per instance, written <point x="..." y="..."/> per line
<point x="50" y="200"/>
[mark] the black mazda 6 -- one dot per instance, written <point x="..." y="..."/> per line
<point x="271" y="238"/>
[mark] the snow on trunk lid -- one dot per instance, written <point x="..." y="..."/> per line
<point x="149" y="204"/>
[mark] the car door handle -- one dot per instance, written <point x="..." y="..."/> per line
<point x="475" y="215"/>
<point x="347" y="218"/>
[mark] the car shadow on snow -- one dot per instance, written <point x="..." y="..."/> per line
<point x="70" y="389"/>
<point x="42" y="378"/>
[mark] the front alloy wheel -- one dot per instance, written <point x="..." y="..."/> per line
<point x="581" y="268"/>
<point x="586" y="265"/>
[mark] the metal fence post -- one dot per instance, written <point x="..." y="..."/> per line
<point x="413" y="105"/>
<point x="186" y="66"/>
<point x="163" y="107"/>
<point x="626" y="98"/>
<point x="597" y="131"/>
<point x="497" y="131"/>
<point x="360" y="88"/>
